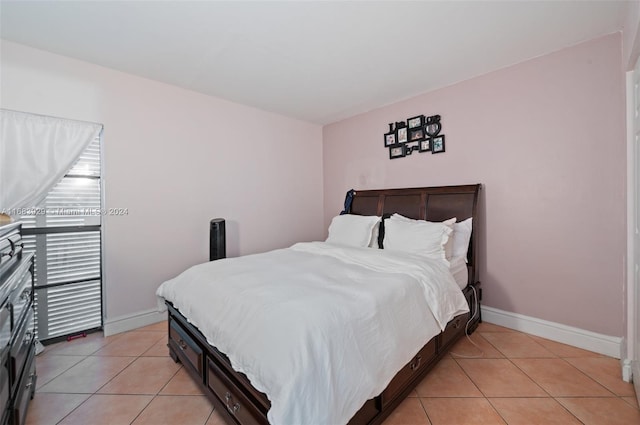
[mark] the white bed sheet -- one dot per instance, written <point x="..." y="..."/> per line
<point x="459" y="271"/>
<point x="318" y="328"/>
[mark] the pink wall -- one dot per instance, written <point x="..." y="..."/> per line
<point x="631" y="35"/>
<point x="546" y="138"/>
<point x="176" y="159"/>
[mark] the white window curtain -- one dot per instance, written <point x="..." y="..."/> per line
<point x="35" y="153"/>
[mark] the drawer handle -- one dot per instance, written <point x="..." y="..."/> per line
<point x="456" y="323"/>
<point x="13" y="245"/>
<point x="233" y="409"/>
<point x="183" y="345"/>
<point x="415" y="364"/>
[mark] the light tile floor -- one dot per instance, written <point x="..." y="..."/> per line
<point x="518" y="379"/>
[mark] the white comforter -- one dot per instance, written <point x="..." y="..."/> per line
<point x="318" y="328"/>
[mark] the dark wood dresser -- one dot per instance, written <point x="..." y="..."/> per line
<point x="17" y="330"/>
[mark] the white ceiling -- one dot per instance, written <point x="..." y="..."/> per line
<point x="316" y="61"/>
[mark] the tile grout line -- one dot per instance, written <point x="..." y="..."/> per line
<point x="481" y="358"/>
<point x="488" y="399"/>
<point x="505" y="358"/>
<point x="460" y="356"/>
<point x="590" y="377"/>
<point x="595" y="379"/>
<point x="42" y="384"/>
<point x="90" y="395"/>
<point x="497" y="411"/>
<point x="543" y="389"/>
<point x="424" y="409"/>
<point x="567" y="410"/>
<point x="553" y="355"/>
<point x="484" y="396"/>
<point x="143" y="409"/>
<point x="74" y="409"/>
<point x="554" y="398"/>
<point x="154" y="396"/>
<point x="172" y="376"/>
<point x="116" y="375"/>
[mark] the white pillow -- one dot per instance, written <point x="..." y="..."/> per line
<point x="352" y="230"/>
<point x="448" y="246"/>
<point x="417" y="237"/>
<point x="461" y="237"/>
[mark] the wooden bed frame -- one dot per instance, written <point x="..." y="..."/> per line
<point x="231" y="392"/>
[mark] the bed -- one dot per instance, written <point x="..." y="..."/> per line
<point x="240" y="402"/>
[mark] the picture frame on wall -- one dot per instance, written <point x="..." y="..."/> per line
<point x="396" y="151"/>
<point x="420" y="133"/>
<point x="432" y="126"/>
<point x="425" y="145"/>
<point x="390" y="139"/>
<point x="416" y="134"/>
<point x="437" y="144"/>
<point x="415" y="122"/>
<point x="401" y="135"/>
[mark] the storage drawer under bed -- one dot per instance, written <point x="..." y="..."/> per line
<point x="409" y="372"/>
<point x="180" y="341"/>
<point x="454" y="327"/>
<point x="238" y="406"/>
<point x="214" y="372"/>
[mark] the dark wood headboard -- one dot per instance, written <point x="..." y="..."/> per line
<point x="426" y="203"/>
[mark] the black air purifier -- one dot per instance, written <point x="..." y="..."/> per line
<point x="217" y="243"/>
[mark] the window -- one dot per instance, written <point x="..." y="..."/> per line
<point x="65" y="233"/>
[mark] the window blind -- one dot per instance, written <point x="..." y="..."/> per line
<point x="64" y="231"/>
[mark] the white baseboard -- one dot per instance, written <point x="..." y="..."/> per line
<point x="587" y="340"/>
<point x="133" y="321"/>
